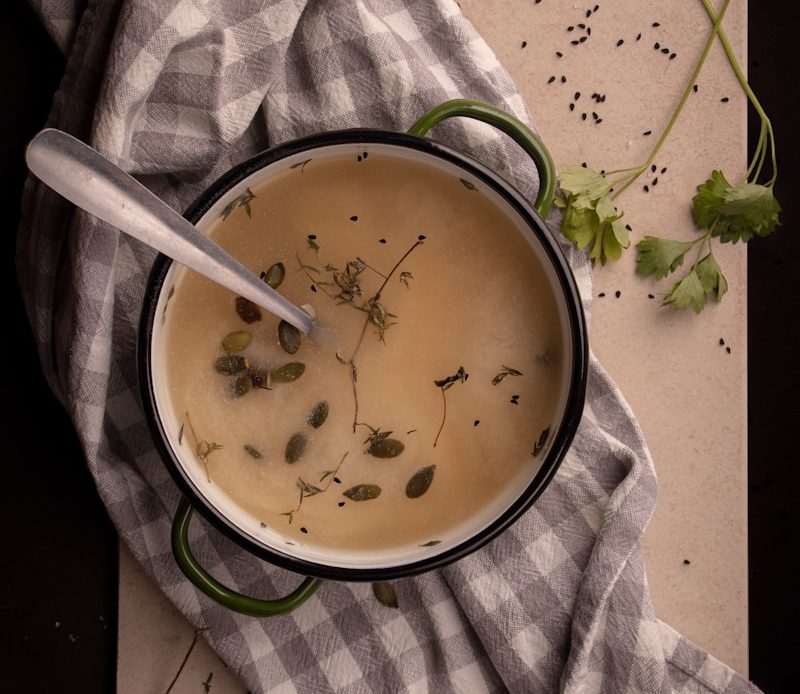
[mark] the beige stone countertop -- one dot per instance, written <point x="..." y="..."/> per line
<point x="687" y="388"/>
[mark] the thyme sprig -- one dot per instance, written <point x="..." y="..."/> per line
<point x="306" y="489"/>
<point x="444" y="385"/>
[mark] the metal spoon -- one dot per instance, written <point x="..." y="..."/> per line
<point x="87" y="179"/>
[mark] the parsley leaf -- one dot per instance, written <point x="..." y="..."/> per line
<point x="735" y="213"/>
<point x="711" y="277"/>
<point x="590" y="217"/>
<point x="687" y="292"/>
<point x="658" y="257"/>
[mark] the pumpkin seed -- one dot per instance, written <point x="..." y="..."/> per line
<point x="289" y="337"/>
<point x="385" y="592"/>
<point x="247" y="310"/>
<point x="296" y="447"/>
<point x="236" y="341"/>
<point x="230" y="364"/>
<point x="288" y="372"/>
<point x="241" y="386"/>
<point x="420" y="482"/>
<point x="386" y="448"/>
<point x="363" y="492"/>
<point x="274" y="276"/>
<point x="318" y="414"/>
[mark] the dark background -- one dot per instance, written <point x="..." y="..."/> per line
<point x="58" y="584"/>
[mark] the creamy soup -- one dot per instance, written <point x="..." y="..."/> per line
<point x="429" y="386"/>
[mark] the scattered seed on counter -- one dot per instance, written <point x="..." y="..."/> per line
<point x="620" y="42"/>
<point x="657" y="45"/>
<point x="340" y="504"/>
<point x="724" y="99"/>
<point x="589" y="30"/>
<point x="651" y="296"/>
<point x="646" y="188"/>
<point x="598" y="121"/>
<point x="628" y="227"/>
<point x="618" y="293"/>
<point x="664" y="170"/>
<point x="588" y="14"/>
<point x="582" y="39"/>
<point x="572" y="107"/>
<point x="584" y="165"/>
<point x="476" y="422"/>
<point x="721" y="342"/>
<point x="581" y="26"/>
<point x="594" y="115"/>
<point x="639" y="36"/>
<point x="354" y="218"/>
<point x="672" y="56"/>
<point x="728" y="350"/>
<point x="524" y="43"/>
<point x="381" y="240"/>
<point x="559" y="54"/>
<point x="601" y="295"/>
<point x="552" y="79"/>
<point x="577" y="95"/>
<point x="655" y="25"/>
<point x="574" y="43"/>
<point x="665" y="50"/>
<point x="583" y="116"/>
<point x="563" y="79"/>
<point x="647" y="132"/>
<point x="686" y="562"/>
<point x="570" y="28"/>
<point x="695" y="88"/>
<point x="653" y="168"/>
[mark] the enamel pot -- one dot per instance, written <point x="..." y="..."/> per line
<point x="233" y="522"/>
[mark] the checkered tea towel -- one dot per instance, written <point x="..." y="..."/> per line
<point x="177" y="91"/>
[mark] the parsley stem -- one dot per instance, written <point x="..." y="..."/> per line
<point x="758" y="155"/>
<point x="684" y="98"/>
<point x="734" y="63"/>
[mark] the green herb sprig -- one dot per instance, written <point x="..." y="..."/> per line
<point x="721" y="210"/>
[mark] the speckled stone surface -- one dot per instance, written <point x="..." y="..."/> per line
<point x="687" y="390"/>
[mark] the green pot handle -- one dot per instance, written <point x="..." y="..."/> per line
<point x="511" y="126"/>
<point x="218" y="592"/>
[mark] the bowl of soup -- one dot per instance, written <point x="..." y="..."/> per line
<point x="428" y="408"/>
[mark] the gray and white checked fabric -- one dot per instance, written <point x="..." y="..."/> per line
<point x="176" y="91"/>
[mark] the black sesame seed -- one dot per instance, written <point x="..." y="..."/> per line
<point x="651" y="296"/>
<point x="304" y="530"/>
<point x="524" y="43"/>
<point x="620" y="42"/>
<point x="596" y="7"/>
<point x="552" y="79"/>
<point x="724" y="99"/>
<point x="577" y="95"/>
<point x="588" y="14"/>
<point x="337" y="480"/>
<point x="313" y="289"/>
<point x="582" y="39"/>
<point x="589" y="30"/>
<point x="574" y="43"/>
<point x="618" y="293"/>
<point x="594" y="115"/>
<point x="728" y="350"/>
<point x="639" y="36"/>
<point x="647" y="189"/>
<point x="653" y="168"/>
<point x="647" y="132"/>
<point x="664" y="170"/>
<point x="365" y="154"/>
<point x="601" y="294"/>
<point x="476" y="422"/>
<point x="598" y="121"/>
<point x="602" y="172"/>
<point x="354" y="218"/>
<point x="421" y="237"/>
<point x="582" y="26"/>
<point x="603" y="99"/>
<point x="665" y="50"/>
<point x="563" y="79"/>
<point x="583" y="164"/>
<point x="686" y="562"/>
<point x="656" y="45"/>
<point x="572" y="107"/>
<point x="672" y="56"/>
<point x="721" y="341"/>
<point x="312" y="237"/>
<point x="695" y="88"/>
<point x="655" y="181"/>
<point x="656" y="24"/>
<point x="341" y="503"/>
<point x="583" y="116"/>
<point x="559" y="54"/>
<point x="381" y="240"/>
<point x="570" y="28"/>
<point x="628" y="227"/>
<point x="358" y="158"/>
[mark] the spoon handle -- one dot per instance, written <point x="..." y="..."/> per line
<point x="87" y="179"/>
